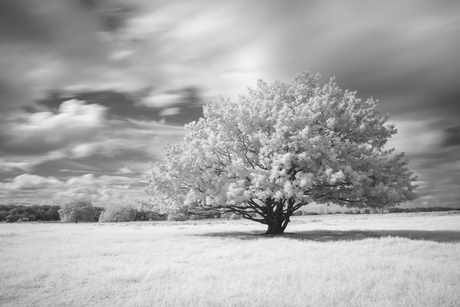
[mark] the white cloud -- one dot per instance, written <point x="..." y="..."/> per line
<point x="31" y="182"/>
<point x="7" y="167"/>
<point x="84" y="150"/>
<point x="125" y="170"/>
<point x="121" y="55"/>
<point x="71" y="113"/>
<point x="100" y="189"/>
<point x="169" y="112"/>
<point x="45" y="131"/>
<point x="160" y="100"/>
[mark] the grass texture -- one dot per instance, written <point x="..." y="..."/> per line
<point x="368" y="260"/>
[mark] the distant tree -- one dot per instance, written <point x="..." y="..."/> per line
<point x="14" y="217"/>
<point x="77" y="210"/>
<point x="31" y="210"/>
<point x="141" y="215"/>
<point x="375" y="211"/>
<point x="152" y="211"/>
<point x="155" y="216"/>
<point x="42" y="215"/>
<point x="99" y="211"/>
<point x="176" y="217"/>
<point x="395" y="210"/>
<point x="117" y="212"/>
<point x="283" y="146"/>
<point x="21" y="209"/>
<point x="3" y="215"/>
<point x="53" y="213"/>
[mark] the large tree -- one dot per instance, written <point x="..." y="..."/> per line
<point x="281" y="147"/>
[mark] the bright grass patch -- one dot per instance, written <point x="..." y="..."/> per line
<point x="382" y="261"/>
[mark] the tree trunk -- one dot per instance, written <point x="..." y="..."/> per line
<point x="278" y="225"/>
<point x="275" y="218"/>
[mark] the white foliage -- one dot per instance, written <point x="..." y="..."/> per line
<point x="292" y="142"/>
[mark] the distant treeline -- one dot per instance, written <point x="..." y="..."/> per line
<point x="378" y="211"/>
<point x="14" y="213"/>
<point x="421" y="209"/>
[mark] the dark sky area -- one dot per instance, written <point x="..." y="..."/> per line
<point x="91" y="90"/>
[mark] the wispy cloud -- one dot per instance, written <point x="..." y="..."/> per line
<point x="98" y="189"/>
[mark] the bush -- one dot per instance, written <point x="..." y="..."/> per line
<point x="214" y="214"/>
<point x="226" y="215"/>
<point x="176" y="217"/>
<point x="3" y="215"/>
<point x="76" y="211"/>
<point x="32" y="218"/>
<point x="234" y="216"/>
<point x="99" y="211"/>
<point x="13" y="217"/>
<point x="195" y="217"/>
<point x="119" y="212"/>
<point x="374" y="211"/>
<point x="155" y="216"/>
<point x="355" y="211"/>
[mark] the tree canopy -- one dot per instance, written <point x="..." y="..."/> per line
<point x="281" y="147"/>
<point x="77" y="211"/>
<point x="118" y="212"/>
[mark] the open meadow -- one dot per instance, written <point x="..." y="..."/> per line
<point x="334" y="260"/>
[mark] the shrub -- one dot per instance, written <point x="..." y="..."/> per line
<point x="226" y="215"/>
<point x="14" y="217"/>
<point x="195" y="217"/>
<point x="374" y="211"/>
<point x="234" y="216"/>
<point x="155" y="216"/>
<point x="176" y="217"/>
<point x="118" y="212"/>
<point x="77" y="210"/>
<point x="355" y="211"/>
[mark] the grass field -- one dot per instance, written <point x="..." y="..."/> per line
<point x="336" y="260"/>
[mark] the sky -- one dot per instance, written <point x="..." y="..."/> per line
<point x="91" y="90"/>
